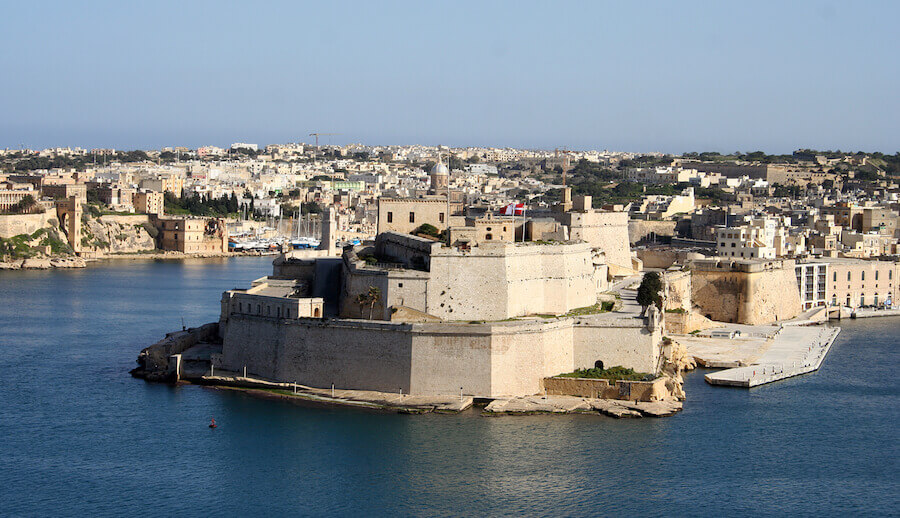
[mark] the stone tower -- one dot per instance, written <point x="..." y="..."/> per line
<point x="328" y="232"/>
<point x="69" y="212"/>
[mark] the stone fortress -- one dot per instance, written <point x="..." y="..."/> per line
<point x="486" y="317"/>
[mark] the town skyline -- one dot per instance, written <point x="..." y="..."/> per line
<point x="657" y="77"/>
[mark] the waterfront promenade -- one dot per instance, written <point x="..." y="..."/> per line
<point x="795" y="350"/>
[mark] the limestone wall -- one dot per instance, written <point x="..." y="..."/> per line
<point x="639" y="229"/>
<point x="678" y="291"/>
<point x="487" y="360"/>
<point x="606" y="231"/>
<point x="496" y="282"/>
<point x="489" y="282"/>
<point x="16" y="224"/>
<point x="745" y="292"/>
<point x="123" y="219"/>
<point x="598" y="388"/>
<point x="625" y="342"/>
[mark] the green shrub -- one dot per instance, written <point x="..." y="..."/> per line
<point x="613" y="373"/>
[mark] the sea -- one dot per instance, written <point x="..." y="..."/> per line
<point x="80" y="437"/>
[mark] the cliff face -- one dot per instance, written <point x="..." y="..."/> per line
<point x="115" y="236"/>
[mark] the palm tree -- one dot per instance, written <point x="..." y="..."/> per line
<point x="373" y="296"/>
<point x="362" y="299"/>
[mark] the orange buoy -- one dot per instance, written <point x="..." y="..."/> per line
<point x="212" y="423"/>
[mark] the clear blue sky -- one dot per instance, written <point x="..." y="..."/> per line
<point x="632" y="76"/>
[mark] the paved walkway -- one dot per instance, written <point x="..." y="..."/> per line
<point x="794" y="351"/>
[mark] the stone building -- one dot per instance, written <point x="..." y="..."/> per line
<point x="855" y="283"/>
<point x="149" y="202"/>
<point x="191" y="235"/>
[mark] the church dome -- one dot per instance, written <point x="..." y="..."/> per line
<point x="440" y="169"/>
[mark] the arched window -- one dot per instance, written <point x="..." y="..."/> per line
<point x="316" y="313"/>
<point x="488" y="237"/>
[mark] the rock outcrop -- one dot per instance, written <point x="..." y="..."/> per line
<point x="574" y="405"/>
<point x="112" y="237"/>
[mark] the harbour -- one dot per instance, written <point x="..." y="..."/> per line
<point x="787" y="444"/>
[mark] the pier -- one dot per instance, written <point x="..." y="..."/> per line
<point x="795" y="350"/>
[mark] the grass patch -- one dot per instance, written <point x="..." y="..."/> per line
<point x="600" y="307"/>
<point x="613" y="373"/>
<point x="679" y="311"/>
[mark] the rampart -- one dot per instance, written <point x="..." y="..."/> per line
<point x="488" y="360"/>
<point x="606" y="231"/>
<point x="488" y="282"/>
<point x="16" y="224"/>
<point x="745" y="292"/>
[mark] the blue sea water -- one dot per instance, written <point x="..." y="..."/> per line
<point x="80" y="437"/>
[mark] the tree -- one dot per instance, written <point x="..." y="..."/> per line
<point x="427" y="229"/>
<point x="370" y="298"/>
<point x="374" y="295"/>
<point x="649" y="292"/>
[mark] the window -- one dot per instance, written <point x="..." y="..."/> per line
<point x="732" y="245"/>
<point x="441" y="217"/>
<point x="488" y="229"/>
<point x="876" y="278"/>
<point x="400" y="285"/>
<point x="488" y="237"/>
<point x="412" y="217"/>
<point x="390" y="217"/>
<point x="863" y="276"/>
<point x="848" y="278"/>
<point x="890" y="274"/>
<point x="316" y="312"/>
<point x="835" y="276"/>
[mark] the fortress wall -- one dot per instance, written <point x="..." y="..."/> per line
<point x="125" y="219"/>
<point x="357" y="281"/>
<point x="718" y="294"/>
<point x="640" y="229"/>
<point x="628" y="344"/>
<point x="678" y="290"/>
<point x="756" y="293"/>
<point x="251" y="342"/>
<point x="771" y="295"/>
<point x="16" y="224"/>
<point x="430" y="359"/>
<point x="448" y="357"/>
<point x="468" y="287"/>
<point x="407" y="288"/>
<point x="520" y="359"/>
<point x="351" y="355"/>
<point x="606" y="231"/>
<point x="507" y="281"/>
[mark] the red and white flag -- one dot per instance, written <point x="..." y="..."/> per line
<point x="513" y="209"/>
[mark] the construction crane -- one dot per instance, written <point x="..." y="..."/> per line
<point x="317" y="137"/>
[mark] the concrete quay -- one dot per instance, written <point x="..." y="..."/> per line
<point x="367" y="399"/>
<point x="794" y="351"/>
